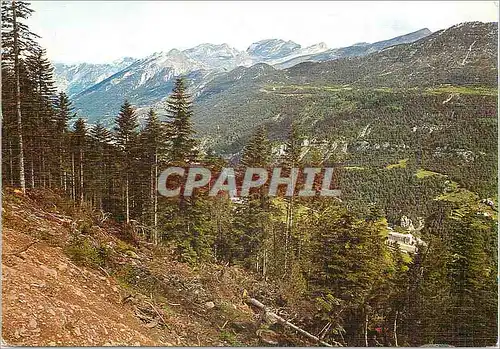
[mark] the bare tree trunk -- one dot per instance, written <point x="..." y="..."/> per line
<point x="73" y="182"/>
<point x="22" y="182"/>
<point x="275" y="244"/>
<point x="127" y="208"/>
<point x="99" y="193"/>
<point x="396" y="329"/>
<point x="62" y="169"/>
<point x="44" y="172"/>
<point x="264" y="263"/>
<point x="41" y="168"/>
<point x="30" y="164"/>
<point x="11" y="164"/>
<point x="62" y="175"/>
<point x="32" y="172"/>
<point x="81" y="178"/>
<point x="50" y="179"/>
<point x="285" y="266"/>
<point x="288" y="233"/>
<point x="155" y="195"/>
<point x="365" y="328"/>
<point x="151" y="201"/>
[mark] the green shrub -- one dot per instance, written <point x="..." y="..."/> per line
<point x="230" y="338"/>
<point x="85" y="252"/>
<point x="123" y="247"/>
<point x="186" y="253"/>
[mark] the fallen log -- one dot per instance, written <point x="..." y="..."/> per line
<point x="284" y="322"/>
<point x="158" y="313"/>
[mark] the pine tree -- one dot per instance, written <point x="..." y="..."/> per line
<point x="154" y="146"/>
<point x="17" y="39"/>
<point x="179" y="109"/>
<point x="257" y="152"/>
<point x="397" y="292"/>
<point x="8" y="130"/>
<point x="40" y="126"/>
<point x="101" y="161"/>
<point x="349" y="259"/>
<point x="126" y="139"/>
<point x="455" y="290"/>
<point x="291" y="159"/>
<point x="293" y="147"/>
<point x="80" y="133"/>
<point x="252" y="216"/>
<point x="470" y="268"/>
<point x="62" y="114"/>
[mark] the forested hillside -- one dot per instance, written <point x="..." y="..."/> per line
<point x="416" y="152"/>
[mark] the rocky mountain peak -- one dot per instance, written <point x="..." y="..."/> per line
<point x="272" y="48"/>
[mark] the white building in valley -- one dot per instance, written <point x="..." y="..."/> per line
<point x="407" y="242"/>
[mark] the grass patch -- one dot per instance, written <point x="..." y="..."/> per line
<point x="384" y="89"/>
<point x="140" y="278"/>
<point x="401" y="164"/>
<point x="290" y="88"/>
<point x="354" y="168"/>
<point x="394" y="107"/>
<point x="228" y="310"/>
<point x="406" y="258"/>
<point x="230" y="338"/>
<point x="421" y="173"/>
<point x="468" y="90"/>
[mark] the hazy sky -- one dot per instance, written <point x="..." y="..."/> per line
<point x="101" y="31"/>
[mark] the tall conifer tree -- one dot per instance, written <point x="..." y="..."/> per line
<point x="126" y="139"/>
<point x="179" y="109"/>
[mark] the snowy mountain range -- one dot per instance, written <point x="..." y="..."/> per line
<point x="74" y="78"/>
<point x="98" y="90"/>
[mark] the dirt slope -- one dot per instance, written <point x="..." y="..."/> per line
<point x="140" y="296"/>
<point x="47" y="300"/>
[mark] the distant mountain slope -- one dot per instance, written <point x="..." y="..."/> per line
<point x="463" y="54"/>
<point x="148" y="81"/>
<point x="360" y="49"/>
<point x="433" y="101"/>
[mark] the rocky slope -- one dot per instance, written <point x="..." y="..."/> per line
<point x="71" y="278"/>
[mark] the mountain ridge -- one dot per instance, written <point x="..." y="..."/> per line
<point x="358" y="49"/>
<point x="203" y="62"/>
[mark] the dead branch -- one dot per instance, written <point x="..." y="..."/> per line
<point x="172" y="304"/>
<point x="158" y="313"/>
<point x="284" y="322"/>
<point x="105" y="272"/>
